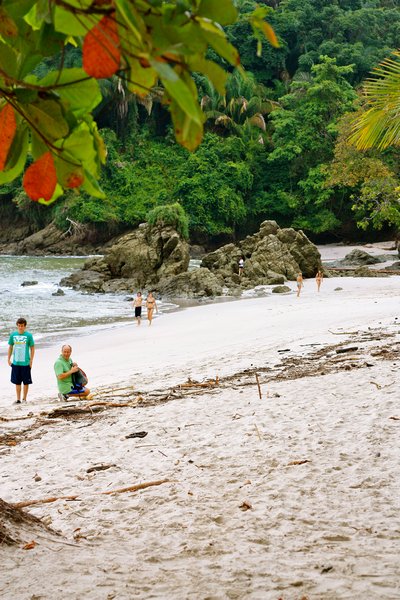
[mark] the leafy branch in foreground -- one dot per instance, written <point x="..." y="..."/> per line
<point x="144" y="42"/>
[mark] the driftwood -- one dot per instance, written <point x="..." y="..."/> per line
<point x="258" y="385"/>
<point x="348" y="349"/>
<point x="191" y="384"/>
<point x="132" y="488"/>
<point x="92" y="407"/>
<point x="343" y="332"/>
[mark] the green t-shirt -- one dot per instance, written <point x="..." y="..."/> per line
<point x="63" y="366"/>
<point x="21" y="343"/>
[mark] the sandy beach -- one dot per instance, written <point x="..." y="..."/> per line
<point x="292" y="495"/>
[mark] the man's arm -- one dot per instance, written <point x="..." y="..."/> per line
<point x="73" y="369"/>
<point x="10" y="351"/>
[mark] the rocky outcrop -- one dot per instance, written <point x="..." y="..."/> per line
<point x="138" y="260"/>
<point x="359" y="258"/>
<point x="197" y="283"/>
<point x="157" y="258"/>
<point x="272" y="256"/>
<point x="51" y="240"/>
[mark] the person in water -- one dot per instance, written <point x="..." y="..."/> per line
<point x="21" y="350"/>
<point x="150" y="306"/>
<point x="137" y="303"/>
<point x="64" y="369"/>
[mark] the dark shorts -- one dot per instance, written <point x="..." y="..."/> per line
<point x="76" y="390"/>
<point x="138" y="311"/>
<point x="21" y="374"/>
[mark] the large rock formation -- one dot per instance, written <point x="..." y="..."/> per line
<point x="52" y="240"/>
<point x="272" y="255"/>
<point x="157" y="258"/>
<point x="137" y="260"/>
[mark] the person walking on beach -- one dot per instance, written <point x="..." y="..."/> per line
<point x="137" y="303"/>
<point x="21" y="350"/>
<point x="241" y="266"/>
<point x="151" y="305"/>
<point x="64" y="369"/>
<point x="319" y="278"/>
<point x="300" y="283"/>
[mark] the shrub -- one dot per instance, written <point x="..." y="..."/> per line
<point x="170" y="214"/>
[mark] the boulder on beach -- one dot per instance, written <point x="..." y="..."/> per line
<point x="359" y="257"/>
<point x="198" y="283"/>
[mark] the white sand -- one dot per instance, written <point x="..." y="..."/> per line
<point x="328" y="528"/>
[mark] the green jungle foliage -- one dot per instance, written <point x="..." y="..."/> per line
<point x="275" y="145"/>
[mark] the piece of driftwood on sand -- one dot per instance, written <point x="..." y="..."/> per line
<point x="132" y="488"/>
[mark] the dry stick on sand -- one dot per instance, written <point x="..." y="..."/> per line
<point x="259" y="386"/>
<point x="132" y="488"/>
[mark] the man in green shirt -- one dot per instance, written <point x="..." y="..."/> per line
<point x="21" y="350"/>
<point x="64" y="368"/>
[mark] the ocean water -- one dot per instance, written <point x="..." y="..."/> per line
<point x="53" y="317"/>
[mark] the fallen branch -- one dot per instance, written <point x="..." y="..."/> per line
<point x="7" y="420"/>
<point x="132" y="488"/>
<point x="343" y="332"/>
<point x="191" y="384"/>
<point x="258" y="385"/>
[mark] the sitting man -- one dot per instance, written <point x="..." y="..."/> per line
<point x="64" y="369"/>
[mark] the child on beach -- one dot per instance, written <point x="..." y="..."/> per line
<point x="300" y="283"/>
<point x="21" y="350"/>
<point x="150" y="305"/>
<point x="137" y="303"/>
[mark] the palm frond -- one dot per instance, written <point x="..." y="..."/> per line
<point x="379" y="126"/>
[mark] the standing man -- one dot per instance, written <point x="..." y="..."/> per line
<point x="21" y="350"/>
<point x="64" y="368"/>
<point x="137" y="303"/>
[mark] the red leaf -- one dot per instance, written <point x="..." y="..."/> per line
<point x="8" y="126"/>
<point x="40" y="178"/>
<point x="101" y="53"/>
<point x="74" y="180"/>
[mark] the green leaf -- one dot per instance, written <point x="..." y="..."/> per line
<point x="188" y="131"/>
<point x="37" y="14"/>
<point x="222" y="11"/>
<point x="8" y="60"/>
<point x="210" y="69"/>
<point x="67" y="22"/>
<point x="8" y="28"/>
<point x="132" y="19"/>
<point x="16" y="156"/>
<point x="223" y="47"/>
<point x="74" y="87"/>
<point x="178" y="90"/>
<point x="47" y="116"/>
<point x="26" y="96"/>
<point x="91" y="185"/>
<point x="58" y="191"/>
<point x="141" y="80"/>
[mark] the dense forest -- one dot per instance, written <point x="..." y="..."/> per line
<point x="275" y="145"/>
